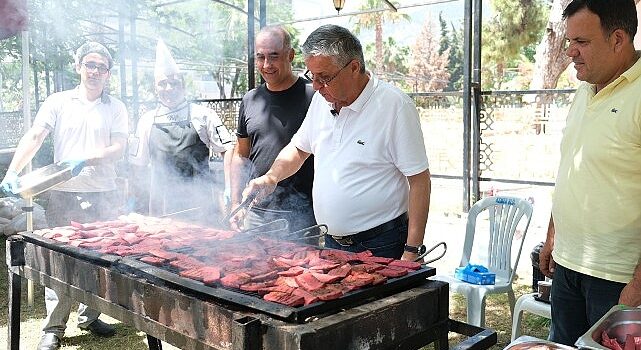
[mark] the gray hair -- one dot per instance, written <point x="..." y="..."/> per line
<point x="280" y="31"/>
<point x="336" y="42"/>
<point x="93" y="47"/>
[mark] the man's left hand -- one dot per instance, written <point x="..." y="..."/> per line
<point x="10" y="183"/>
<point x="631" y="294"/>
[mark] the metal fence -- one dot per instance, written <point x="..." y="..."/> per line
<point x="520" y="132"/>
<point x="11" y="129"/>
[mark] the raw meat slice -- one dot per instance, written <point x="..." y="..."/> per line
<point x="285" y="299"/>
<point x="308" y="282"/>
<point x="326" y="278"/>
<point x="330" y="292"/>
<point x="412" y="265"/>
<point x="309" y="297"/>
<point x="292" y="271"/>
<point x="256" y="286"/>
<point x="342" y="271"/>
<point x="392" y="272"/>
<point x="369" y="268"/>
<point x="376" y="260"/>
<point x="211" y="274"/>
<point x="235" y="280"/>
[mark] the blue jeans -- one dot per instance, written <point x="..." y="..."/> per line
<point x="389" y="244"/>
<point x="578" y="302"/>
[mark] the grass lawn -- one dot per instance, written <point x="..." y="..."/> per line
<point x="127" y="338"/>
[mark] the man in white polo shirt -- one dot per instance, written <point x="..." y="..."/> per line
<point x="372" y="182"/>
<point x="593" y="247"/>
<point x="89" y="130"/>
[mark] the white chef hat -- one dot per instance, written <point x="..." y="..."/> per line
<point x="165" y="64"/>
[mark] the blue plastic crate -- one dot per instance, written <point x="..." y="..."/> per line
<point x="475" y="274"/>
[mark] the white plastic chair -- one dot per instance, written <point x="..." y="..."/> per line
<point x="527" y="302"/>
<point x="505" y="214"/>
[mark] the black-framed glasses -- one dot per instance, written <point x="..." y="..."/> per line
<point x="90" y="66"/>
<point x="175" y="83"/>
<point x="310" y="76"/>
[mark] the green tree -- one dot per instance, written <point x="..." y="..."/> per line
<point x="376" y="20"/>
<point x="394" y="65"/>
<point x="516" y="24"/>
<point x="452" y="40"/>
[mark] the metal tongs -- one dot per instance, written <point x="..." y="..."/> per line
<point x="316" y="231"/>
<point x="429" y="251"/>
<point x="248" y="202"/>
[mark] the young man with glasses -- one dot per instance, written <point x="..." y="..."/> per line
<point x="89" y="130"/>
<point x="176" y="139"/>
<point x="269" y="116"/>
<point x="371" y="182"/>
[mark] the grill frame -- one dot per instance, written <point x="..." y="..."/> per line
<point x="161" y="311"/>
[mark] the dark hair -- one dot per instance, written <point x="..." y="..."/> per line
<point x="93" y="47"/>
<point x="336" y="42"/>
<point x="614" y="14"/>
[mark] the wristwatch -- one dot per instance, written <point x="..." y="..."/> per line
<point x="418" y="250"/>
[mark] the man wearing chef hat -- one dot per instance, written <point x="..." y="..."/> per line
<point x="175" y="139"/>
<point x="89" y="130"/>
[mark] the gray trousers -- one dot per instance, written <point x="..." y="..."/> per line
<point x="61" y="209"/>
<point x="58" y="309"/>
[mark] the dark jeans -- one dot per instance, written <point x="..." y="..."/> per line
<point x="578" y="302"/>
<point x="388" y="244"/>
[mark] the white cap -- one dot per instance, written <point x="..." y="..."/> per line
<point x="165" y="64"/>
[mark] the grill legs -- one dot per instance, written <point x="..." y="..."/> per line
<point x="15" y="289"/>
<point x="154" y="343"/>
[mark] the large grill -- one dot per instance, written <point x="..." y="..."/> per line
<point x="405" y="312"/>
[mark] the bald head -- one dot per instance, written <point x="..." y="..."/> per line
<point x="276" y="32"/>
<point x="274" y="57"/>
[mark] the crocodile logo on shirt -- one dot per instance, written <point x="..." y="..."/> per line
<point x="361" y="142"/>
<point x="614" y="110"/>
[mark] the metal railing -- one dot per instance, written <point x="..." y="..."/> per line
<point x="520" y="132"/>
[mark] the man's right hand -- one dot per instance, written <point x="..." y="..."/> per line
<point x="546" y="262"/>
<point x="263" y="186"/>
<point x="236" y="221"/>
<point x="9" y="184"/>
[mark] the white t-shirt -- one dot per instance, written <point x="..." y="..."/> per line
<point x="362" y="157"/>
<point x="79" y="127"/>
<point x="211" y="131"/>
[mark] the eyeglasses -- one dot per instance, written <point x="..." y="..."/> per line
<point x="310" y="76"/>
<point x="167" y="82"/>
<point x="90" y="66"/>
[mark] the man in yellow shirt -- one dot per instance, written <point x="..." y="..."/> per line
<point x="593" y="245"/>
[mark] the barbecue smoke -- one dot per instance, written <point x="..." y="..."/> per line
<point x="166" y="192"/>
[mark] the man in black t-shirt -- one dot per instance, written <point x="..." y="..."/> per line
<point x="269" y="116"/>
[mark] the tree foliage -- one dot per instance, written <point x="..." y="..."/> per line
<point x="376" y="20"/>
<point x="452" y="41"/>
<point x="394" y="67"/>
<point x="428" y="67"/>
<point x="515" y="25"/>
<point x="207" y="38"/>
